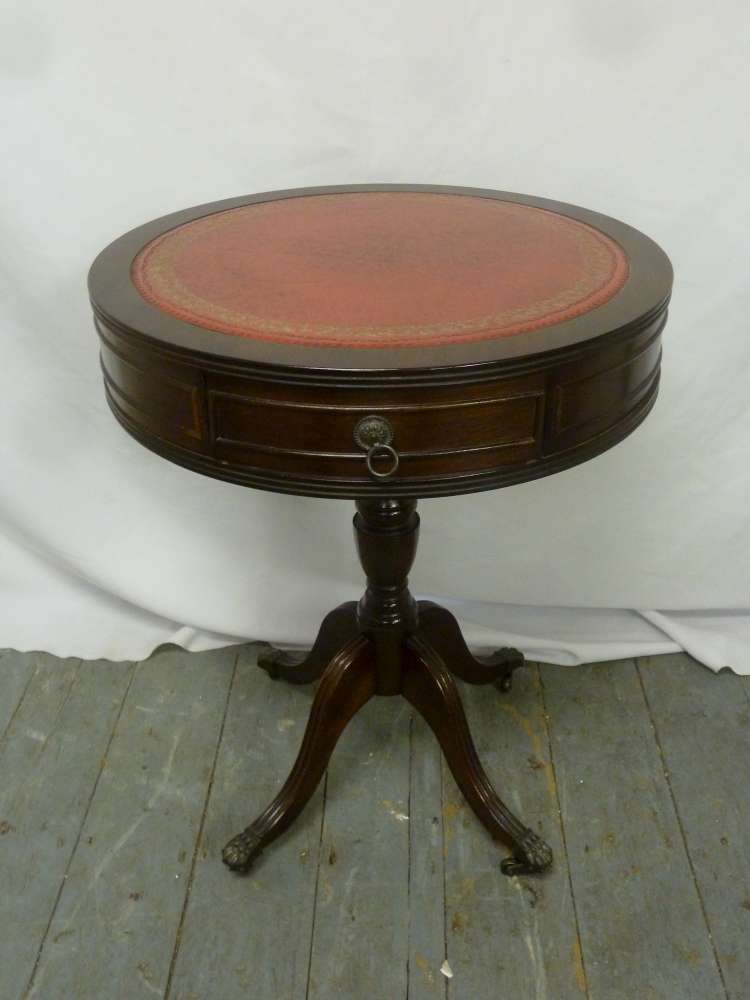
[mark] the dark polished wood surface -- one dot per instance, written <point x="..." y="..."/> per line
<point x="465" y="417"/>
<point x="447" y="419"/>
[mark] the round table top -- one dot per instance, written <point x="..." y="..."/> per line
<point x="380" y="277"/>
<point x="381" y="340"/>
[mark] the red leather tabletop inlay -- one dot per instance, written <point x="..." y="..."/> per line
<point x="380" y="269"/>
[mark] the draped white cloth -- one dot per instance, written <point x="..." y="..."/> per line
<point x="114" y="114"/>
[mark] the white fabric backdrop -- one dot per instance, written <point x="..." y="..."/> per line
<point x="113" y="114"/>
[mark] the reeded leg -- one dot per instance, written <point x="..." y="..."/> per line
<point x="441" y="630"/>
<point x="347" y="683"/>
<point x="337" y="628"/>
<point x="428" y="685"/>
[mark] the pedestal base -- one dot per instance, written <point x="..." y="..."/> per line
<point x="389" y="644"/>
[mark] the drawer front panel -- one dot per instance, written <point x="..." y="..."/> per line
<point x="313" y="429"/>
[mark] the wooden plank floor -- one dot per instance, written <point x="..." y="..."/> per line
<point x="120" y="782"/>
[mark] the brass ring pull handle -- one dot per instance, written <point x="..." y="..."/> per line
<point x="382" y="451"/>
<point x="374" y="435"/>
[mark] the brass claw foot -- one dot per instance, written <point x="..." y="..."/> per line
<point x="242" y="850"/>
<point x="512" y="659"/>
<point x="531" y="857"/>
<point x="268" y="660"/>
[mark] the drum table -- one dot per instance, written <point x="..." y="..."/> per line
<point x="382" y="343"/>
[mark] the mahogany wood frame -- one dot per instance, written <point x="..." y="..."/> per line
<point x="460" y="418"/>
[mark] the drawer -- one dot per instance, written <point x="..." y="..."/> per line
<point x="436" y="430"/>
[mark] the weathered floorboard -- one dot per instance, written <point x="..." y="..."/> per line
<point x="426" y="866"/>
<point x="249" y="935"/>
<point x="360" y="935"/>
<point x="642" y="928"/>
<point x="49" y="764"/>
<point x="114" y="927"/>
<point x="90" y="842"/>
<point x="16" y="671"/>
<point x="702" y="722"/>
<point x="512" y="937"/>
